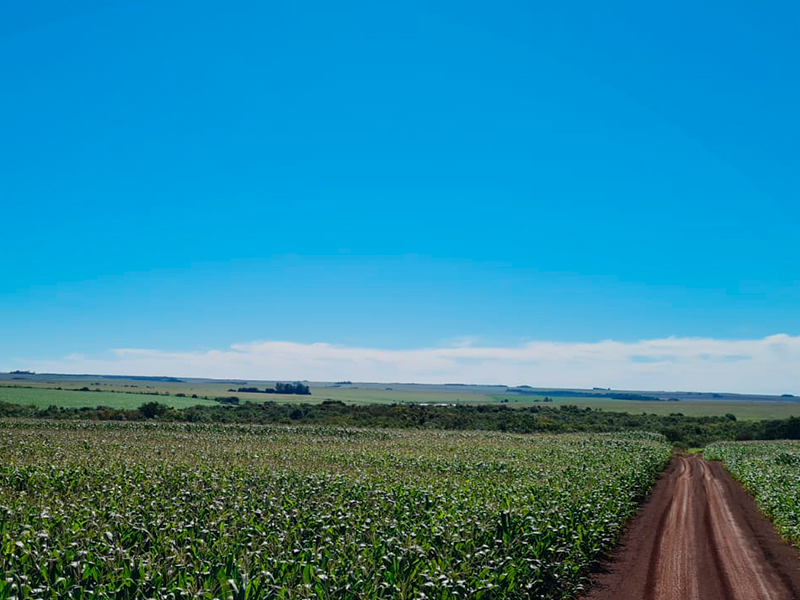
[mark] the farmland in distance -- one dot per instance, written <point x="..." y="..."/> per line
<point x="129" y="393"/>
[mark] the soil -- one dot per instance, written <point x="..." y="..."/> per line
<point x="699" y="537"/>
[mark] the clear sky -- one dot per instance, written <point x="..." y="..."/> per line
<point x="379" y="179"/>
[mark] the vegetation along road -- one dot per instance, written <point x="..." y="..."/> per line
<point x="700" y="536"/>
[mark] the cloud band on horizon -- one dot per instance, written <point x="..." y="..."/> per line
<point x="769" y="365"/>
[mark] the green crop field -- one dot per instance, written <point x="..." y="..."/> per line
<point x="114" y="510"/>
<point x="117" y="394"/>
<point x="44" y="397"/>
<point x="130" y="394"/>
<point x="743" y="410"/>
<point x="771" y="472"/>
<point x="390" y="396"/>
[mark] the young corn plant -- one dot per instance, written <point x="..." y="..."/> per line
<point x="129" y="511"/>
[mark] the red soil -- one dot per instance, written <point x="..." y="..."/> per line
<point x="699" y="537"/>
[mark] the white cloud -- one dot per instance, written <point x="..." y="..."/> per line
<point x="767" y="365"/>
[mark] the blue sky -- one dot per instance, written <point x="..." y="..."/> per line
<point x="393" y="176"/>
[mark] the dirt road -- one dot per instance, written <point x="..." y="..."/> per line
<point x="699" y="537"/>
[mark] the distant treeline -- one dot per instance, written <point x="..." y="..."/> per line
<point x="579" y="394"/>
<point x="280" y="388"/>
<point x="679" y="429"/>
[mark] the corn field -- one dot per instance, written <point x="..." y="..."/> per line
<point x="114" y="510"/>
<point x="771" y="472"/>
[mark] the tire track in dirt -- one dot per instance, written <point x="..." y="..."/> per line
<point x="699" y="537"/>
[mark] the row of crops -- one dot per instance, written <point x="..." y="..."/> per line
<point x="179" y="511"/>
<point x="771" y="472"/>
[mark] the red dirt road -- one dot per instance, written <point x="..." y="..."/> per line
<point x="699" y="537"/>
